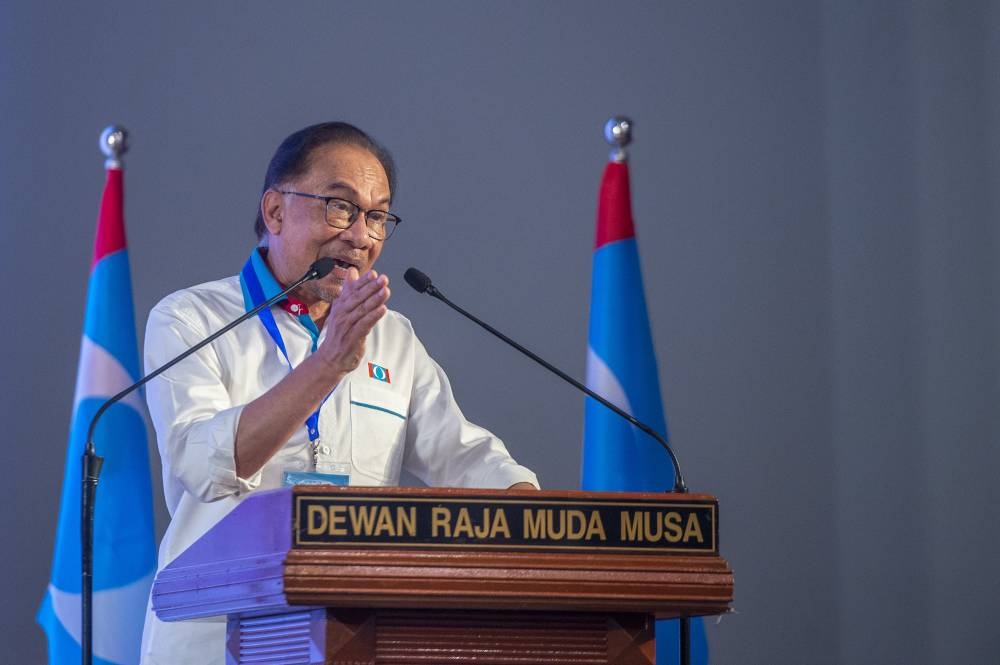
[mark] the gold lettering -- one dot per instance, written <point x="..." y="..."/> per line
<point x="499" y="524"/>
<point x="595" y="527"/>
<point x="362" y="519"/>
<point x="463" y="524"/>
<point x="575" y="524"/>
<point x="315" y="520"/>
<point x="556" y="534"/>
<point x="385" y="523"/>
<point x="631" y="523"/>
<point x="534" y="524"/>
<point x="483" y="529"/>
<point x="649" y="521"/>
<point x="337" y="520"/>
<point x="693" y="529"/>
<point x="440" y="518"/>
<point x="672" y="524"/>
<point x="406" y="521"/>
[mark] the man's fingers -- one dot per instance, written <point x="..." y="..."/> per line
<point x="358" y="330"/>
<point x="348" y="342"/>
<point x="348" y="311"/>
<point x="362" y="302"/>
<point x="362" y="296"/>
<point x="345" y="318"/>
<point x="361" y="288"/>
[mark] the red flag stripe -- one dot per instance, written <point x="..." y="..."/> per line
<point x="614" y="208"/>
<point x="111" y="219"/>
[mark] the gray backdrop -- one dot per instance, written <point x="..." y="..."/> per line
<point x="815" y="189"/>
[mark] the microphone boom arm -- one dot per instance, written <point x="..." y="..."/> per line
<point x="679" y="485"/>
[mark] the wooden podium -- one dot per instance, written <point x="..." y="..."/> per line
<point x="352" y="575"/>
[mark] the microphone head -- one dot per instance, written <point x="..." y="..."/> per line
<point x="418" y="280"/>
<point x="321" y="267"/>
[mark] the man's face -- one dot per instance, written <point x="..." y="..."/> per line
<point x="297" y="228"/>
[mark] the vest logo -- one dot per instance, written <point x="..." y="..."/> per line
<point x="378" y="373"/>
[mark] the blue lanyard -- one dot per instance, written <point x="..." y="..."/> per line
<point x="253" y="295"/>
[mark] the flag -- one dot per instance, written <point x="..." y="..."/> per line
<point x="124" y="550"/>
<point x="621" y="367"/>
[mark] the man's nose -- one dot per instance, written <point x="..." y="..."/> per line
<point x="357" y="233"/>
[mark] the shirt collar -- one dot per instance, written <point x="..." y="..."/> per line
<point x="272" y="287"/>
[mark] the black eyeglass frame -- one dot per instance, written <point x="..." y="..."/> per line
<point x="390" y="218"/>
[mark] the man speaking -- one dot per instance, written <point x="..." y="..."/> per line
<point x="327" y="386"/>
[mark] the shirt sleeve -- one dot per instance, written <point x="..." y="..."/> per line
<point x="191" y="409"/>
<point x="443" y="448"/>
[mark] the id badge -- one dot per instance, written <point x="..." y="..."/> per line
<point x="325" y="474"/>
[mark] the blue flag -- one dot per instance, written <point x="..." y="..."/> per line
<point x="621" y="367"/>
<point x="124" y="550"/>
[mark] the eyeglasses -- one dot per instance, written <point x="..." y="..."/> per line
<point x="341" y="214"/>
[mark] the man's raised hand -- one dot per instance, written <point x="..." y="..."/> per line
<point x="353" y="314"/>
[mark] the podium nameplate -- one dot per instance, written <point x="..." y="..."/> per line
<point x="356" y="518"/>
<point x="381" y="554"/>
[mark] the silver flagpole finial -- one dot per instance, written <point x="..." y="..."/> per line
<point x="114" y="144"/>
<point x="618" y="134"/>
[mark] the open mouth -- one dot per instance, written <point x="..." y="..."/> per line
<point x="345" y="265"/>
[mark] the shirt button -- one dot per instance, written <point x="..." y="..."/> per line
<point x="325" y="450"/>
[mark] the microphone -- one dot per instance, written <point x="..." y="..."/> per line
<point x="419" y="281"/>
<point x="92" y="462"/>
<point x="422" y="284"/>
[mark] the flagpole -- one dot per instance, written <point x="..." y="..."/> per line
<point x="618" y="134"/>
<point x="114" y="144"/>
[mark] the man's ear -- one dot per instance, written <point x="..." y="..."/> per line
<point x="272" y="210"/>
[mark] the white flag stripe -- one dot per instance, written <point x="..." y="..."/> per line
<point x="603" y="381"/>
<point x="117" y="624"/>
<point x="101" y="375"/>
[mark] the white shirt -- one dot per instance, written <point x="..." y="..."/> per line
<point x="379" y="428"/>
